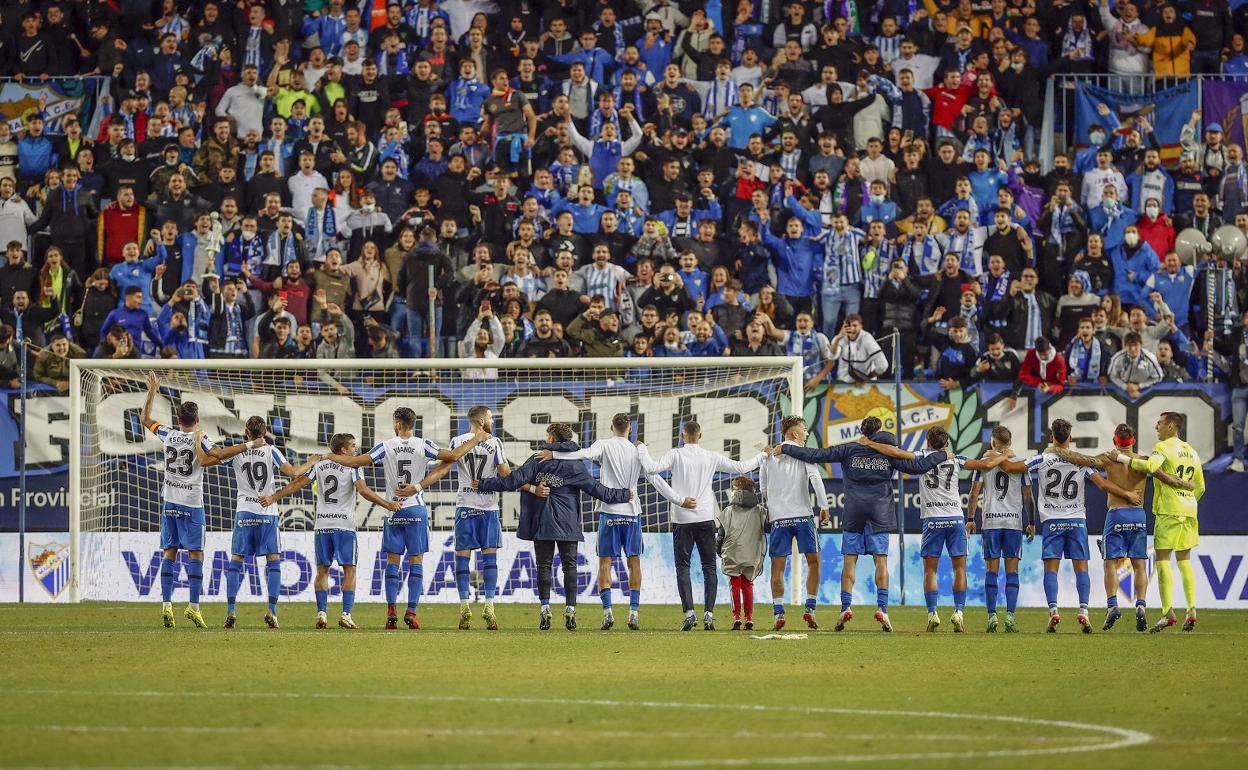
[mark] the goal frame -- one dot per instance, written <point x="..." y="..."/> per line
<point x="795" y="378"/>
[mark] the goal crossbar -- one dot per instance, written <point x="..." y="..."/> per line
<point x="676" y="378"/>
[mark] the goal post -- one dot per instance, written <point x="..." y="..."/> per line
<point x="116" y="466"/>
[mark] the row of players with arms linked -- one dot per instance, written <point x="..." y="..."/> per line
<point x="789" y="470"/>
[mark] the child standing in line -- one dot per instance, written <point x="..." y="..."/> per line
<point x="742" y="545"/>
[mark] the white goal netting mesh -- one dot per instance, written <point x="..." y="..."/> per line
<point x="121" y="466"/>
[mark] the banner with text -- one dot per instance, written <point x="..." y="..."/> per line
<point x="125" y="567"/>
<point x="749" y="417"/>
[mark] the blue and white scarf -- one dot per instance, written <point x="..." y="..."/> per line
<point x="1083" y="362"/>
<point x="251" y="53"/>
<point x="320" y="232"/>
<point x="926" y="262"/>
<point x="804" y="345"/>
<point x="1062" y="223"/>
<point x="1035" y="324"/>
<point x="842" y="265"/>
<point x="285" y="250"/>
<point x="720" y="97"/>
<point x="597" y="120"/>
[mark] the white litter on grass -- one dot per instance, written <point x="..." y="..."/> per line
<point x="765" y="637"/>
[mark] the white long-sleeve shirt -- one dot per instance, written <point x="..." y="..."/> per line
<point x="621" y="467"/>
<point x="693" y="471"/>
<point x="861" y="355"/>
<point x="786" y="483"/>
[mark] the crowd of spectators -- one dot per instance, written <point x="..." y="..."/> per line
<point x="554" y="178"/>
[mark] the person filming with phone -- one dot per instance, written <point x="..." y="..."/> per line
<point x="484" y="339"/>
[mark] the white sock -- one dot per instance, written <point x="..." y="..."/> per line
<point x="545" y="609"/>
<point x="166" y="605"/>
<point x="194" y="606"/>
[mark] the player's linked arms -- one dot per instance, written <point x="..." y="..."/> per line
<point x="888" y="450"/>
<point x="1173" y="481"/>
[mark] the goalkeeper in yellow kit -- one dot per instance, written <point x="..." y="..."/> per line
<point x="1176" y="527"/>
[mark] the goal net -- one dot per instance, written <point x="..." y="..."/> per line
<point x="117" y="466"/>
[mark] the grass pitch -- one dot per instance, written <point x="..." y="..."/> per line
<point x="104" y="685"/>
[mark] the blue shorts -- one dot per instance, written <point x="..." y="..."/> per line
<point x="780" y="541"/>
<point x="182" y="528"/>
<point x="1003" y="543"/>
<point x="476" y="529"/>
<point x="407" y="530"/>
<point x="1126" y="534"/>
<point x="947" y="533"/>
<point x="619" y="535"/>
<point x="255" y="534"/>
<point x="335" y="544"/>
<point x="865" y="542"/>
<point x="1064" y="539"/>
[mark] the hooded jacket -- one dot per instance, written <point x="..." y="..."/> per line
<point x="558" y="516"/>
<point x="742" y="542"/>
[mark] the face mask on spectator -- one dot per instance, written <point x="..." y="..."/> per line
<point x="127" y="157"/>
<point x="248" y="235"/>
<point x="1017" y="66"/>
<point x="1131" y="239"/>
<point x="1152" y="211"/>
<point x="368" y="208"/>
<point x="877" y="199"/>
<point x="1097" y="137"/>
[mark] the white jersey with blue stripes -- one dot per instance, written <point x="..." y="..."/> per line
<point x="335" y="495"/>
<point x="1003" y="498"/>
<point x="1059" y="487"/>
<point x="255" y="476"/>
<point x="480" y="462"/>
<point x="184" y="476"/>
<point x="403" y="461"/>
<point x="939" y="497"/>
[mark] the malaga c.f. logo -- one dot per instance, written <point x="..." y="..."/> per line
<point x="50" y="564"/>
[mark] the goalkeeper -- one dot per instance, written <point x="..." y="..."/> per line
<point x="1176" y="529"/>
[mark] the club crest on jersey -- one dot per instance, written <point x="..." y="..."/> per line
<point x="49" y="562"/>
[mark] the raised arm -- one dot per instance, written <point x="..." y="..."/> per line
<point x="153" y="384"/>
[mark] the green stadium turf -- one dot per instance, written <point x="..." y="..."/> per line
<point x="105" y="685"/>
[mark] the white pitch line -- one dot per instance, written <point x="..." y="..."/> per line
<point x="1115" y="737"/>
<point x="536" y="731"/>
